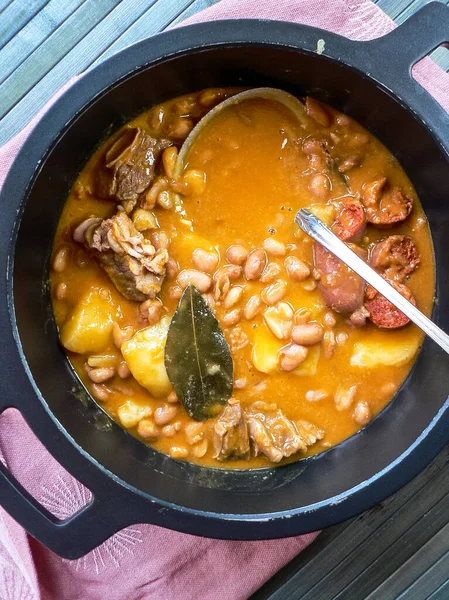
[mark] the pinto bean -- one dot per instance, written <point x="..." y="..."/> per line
<point x="210" y="97"/>
<point x="316" y="395"/>
<point x="205" y="261"/>
<point x="307" y="334"/>
<point x="396" y="257"/>
<point x="200" y="449"/>
<point x="178" y="452"/>
<point x="318" y="112"/>
<point x="271" y="272"/>
<point x="252" y="307"/>
<point x="166" y="200"/>
<point x="169" y="157"/>
<point x="240" y="384"/>
<point x="172" y="269"/>
<point x="147" y="430"/>
<point x="233" y="317"/>
<point x="233" y="296"/>
<point x="160" y="184"/>
<point x="175" y="292"/>
<point x="292" y="356"/>
<point x="120" y="335"/>
<point x="320" y="185"/>
<point x="350" y="219"/>
<point x="329" y="344"/>
<point x="101" y="374"/>
<point x="164" y="414"/>
<point x="151" y="311"/>
<point x="329" y="320"/>
<point x="221" y="288"/>
<point x="341" y="338"/>
<point x="274" y="247"/>
<point x="99" y="392"/>
<point x="255" y="264"/>
<point x="61" y="291"/>
<point x="341" y="288"/>
<point x="168" y="430"/>
<point x="344" y="397"/>
<point x="200" y="280"/>
<point x="385" y="205"/>
<point x="180" y="127"/>
<point x="358" y="317"/>
<point x="194" y="433"/>
<point x="236" y="254"/>
<point x="301" y="316"/>
<point x="362" y="413"/>
<point x="274" y="293"/>
<point x="123" y="370"/>
<point x="61" y="259"/>
<point x="230" y="271"/>
<point x="313" y="146"/>
<point x="172" y="398"/>
<point x="382" y="312"/>
<point x="350" y="162"/>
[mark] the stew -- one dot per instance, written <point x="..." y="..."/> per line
<point x="199" y="316"/>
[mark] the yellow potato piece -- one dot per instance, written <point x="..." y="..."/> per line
<point x="88" y="327"/>
<point x="131" y="413"/>
<point x="144" y="355"/>
<point x="325" y="212"/>
<point x="310" y="364"/>
<point x="265" y="352"/>
<point x="186" y="243"/>
<point x="392" y="354"/>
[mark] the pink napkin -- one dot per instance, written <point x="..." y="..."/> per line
<point x="144" y="561"/>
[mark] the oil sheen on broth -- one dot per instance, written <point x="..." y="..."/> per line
<point x="314" y="360"/>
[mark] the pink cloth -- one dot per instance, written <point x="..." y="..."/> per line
<point x="144" y="561"/>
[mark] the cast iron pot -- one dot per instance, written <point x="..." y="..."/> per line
<point x="130" y="483"/>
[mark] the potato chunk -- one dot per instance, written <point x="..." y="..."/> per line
<point x="388" y="354"/>
<point x="265" y="352"/>
<point x="88" y="327"/>
<point x="310" y="364"/>
<point x="144" y="355"/>
<point x="130" y="413"/>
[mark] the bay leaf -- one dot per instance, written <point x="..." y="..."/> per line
<point x="197" y="357"/>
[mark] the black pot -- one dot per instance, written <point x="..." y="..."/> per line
<point x="132" y="483"/>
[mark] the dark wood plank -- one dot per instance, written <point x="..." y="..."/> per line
<point x="333" y="564"/>
<point x="16" y="15"/>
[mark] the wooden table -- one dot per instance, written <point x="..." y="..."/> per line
<point x="400" y="548"/>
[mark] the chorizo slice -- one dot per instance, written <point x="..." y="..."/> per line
<point x="396" y="257"/>
<point x="342" y="289"/>
<point x="385" y="205"/>
<point x="382" y="312"/>
<point x="350" y="219"/>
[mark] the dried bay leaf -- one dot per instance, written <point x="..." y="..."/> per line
<point x="197" y="357"/>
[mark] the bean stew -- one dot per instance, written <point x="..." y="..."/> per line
<point x="195" y="311"/>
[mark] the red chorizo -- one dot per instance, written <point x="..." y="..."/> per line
<point x="382" y="312"/>
<point x="350" y="220"/>
<point x="341" y="288"/>
<point x="395" y="257"/>
<point x="385" y="205"/>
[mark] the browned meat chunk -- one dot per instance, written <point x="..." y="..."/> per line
<point x="341" y="288"/>
<point x="239" y="433"/>
<point x="350" y="219"/>
<point x="128" y="167"/>
<point x="231" y="433"/>
<point x="385" y="205"/>
<point x="396" y="257"/>
<point x="382" y="312"/>
<point x="135" y="267"/>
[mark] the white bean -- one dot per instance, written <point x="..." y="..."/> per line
<point x="307" y="334"/>
<point x="236" y="254"/>
<point x="274" y="247"/>
<point x="296" y="268"/>
<point x="255" y="264"/>
<point x="200" y="280"/>
<point x="205" y="261"/>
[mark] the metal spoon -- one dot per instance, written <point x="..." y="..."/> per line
<point x="317" y="230"/>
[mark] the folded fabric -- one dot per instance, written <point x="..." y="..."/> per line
<point x="145" y="561"/>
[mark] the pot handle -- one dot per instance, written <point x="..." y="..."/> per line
<point x="70" y="538"/>
<point x="421" y="33"/>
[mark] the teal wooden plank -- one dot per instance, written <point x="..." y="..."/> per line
<point x="98" y="39"/>
<point x="4" y="4"/>
<point x="52" y="51"/>
<point x="197" y="6"/>
<point x="155" y="19"/>
<point x="30" y="37"/>
<point x="442" y="593"/>
<point x="17" y="15"/>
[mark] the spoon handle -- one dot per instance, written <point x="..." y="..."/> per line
<point x="317" y="230"/>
